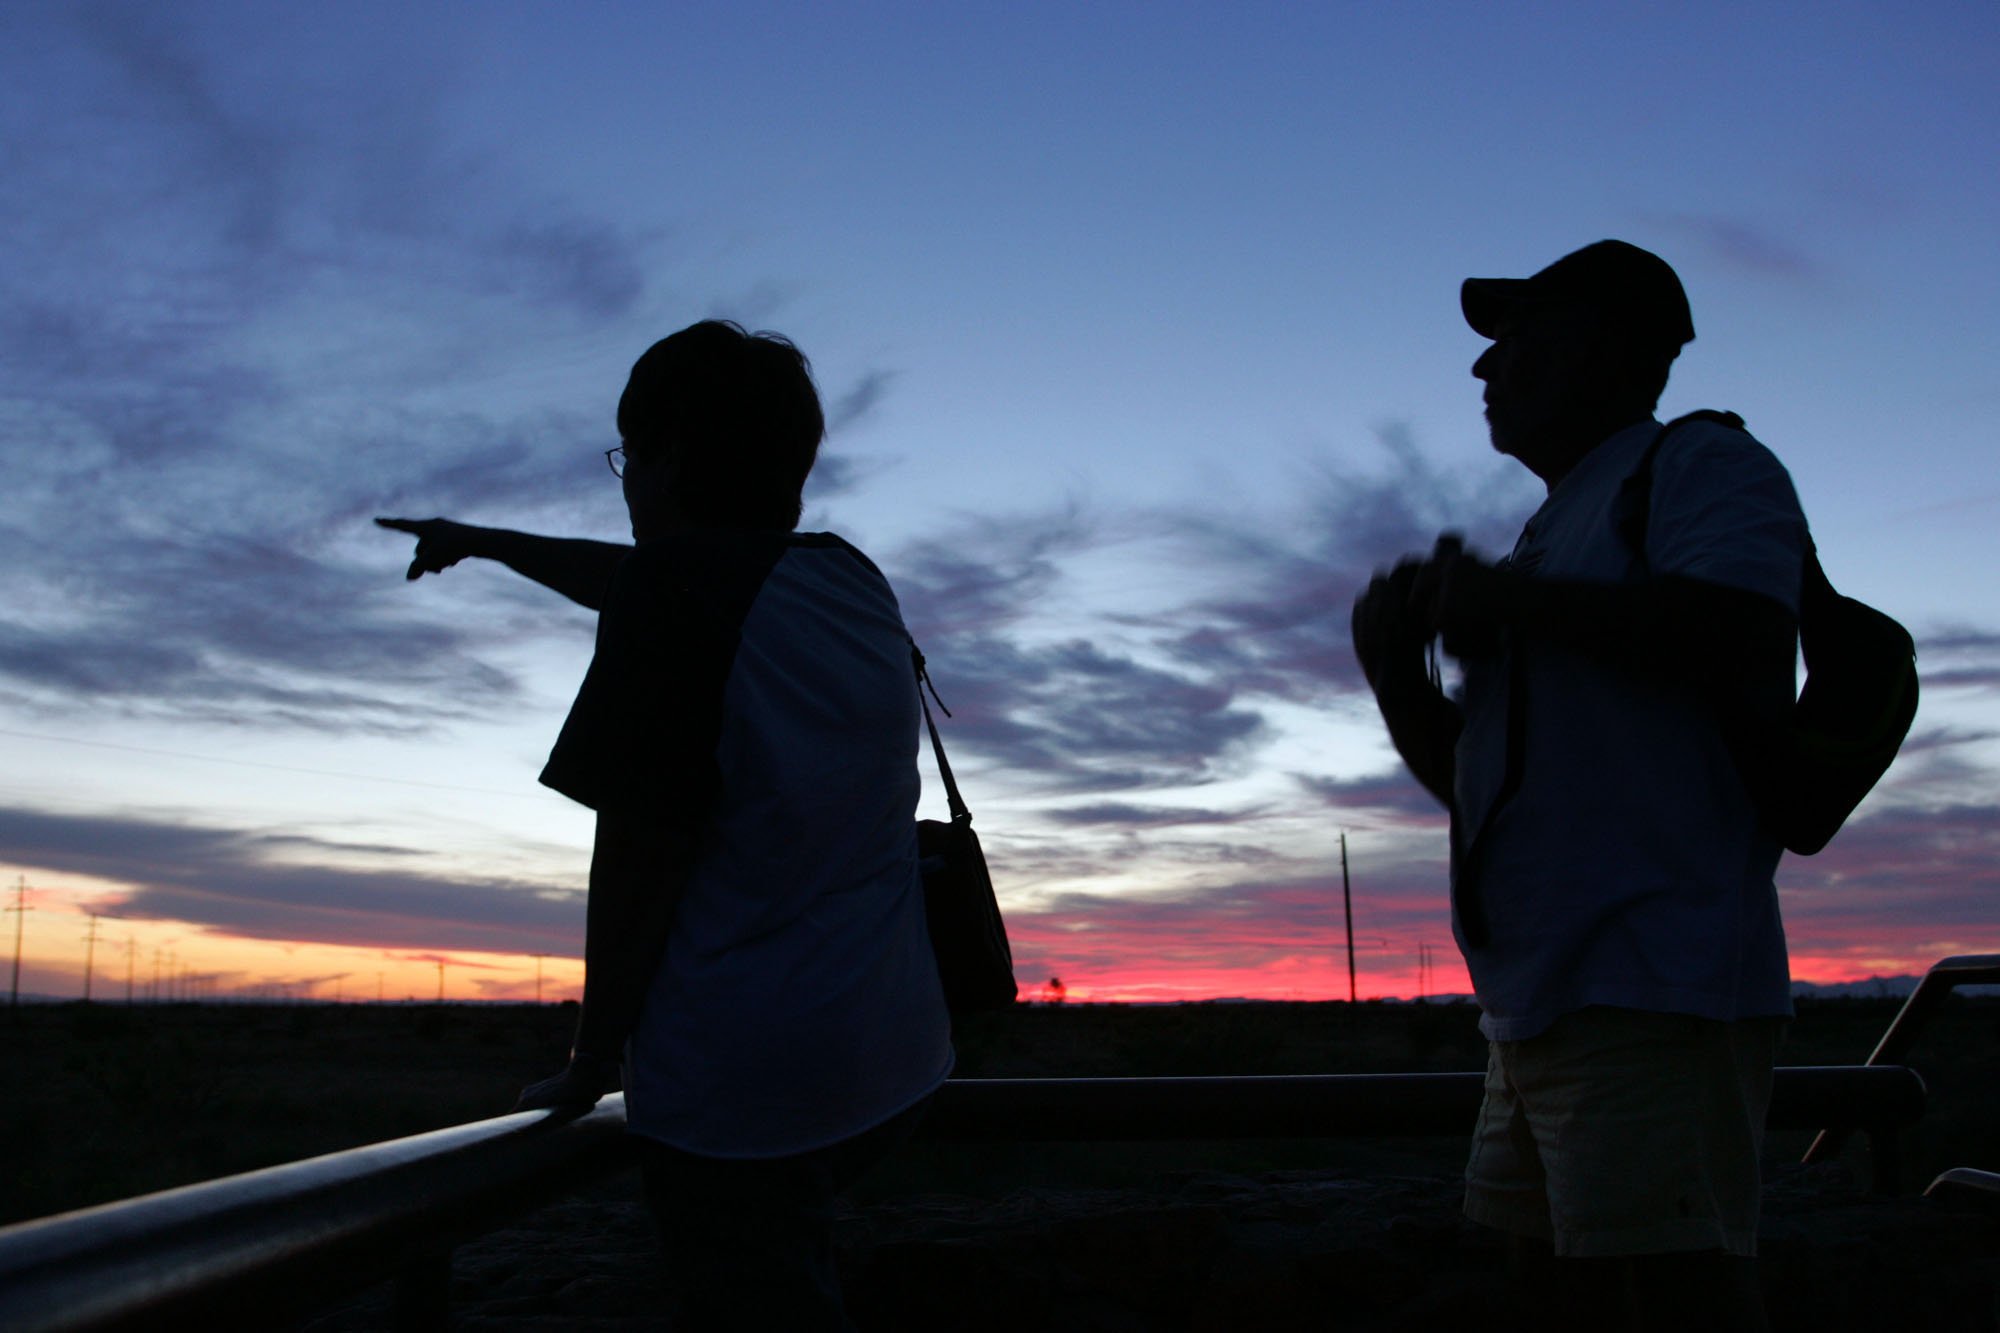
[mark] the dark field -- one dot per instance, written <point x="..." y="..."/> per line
<point x="106" y="1101"/>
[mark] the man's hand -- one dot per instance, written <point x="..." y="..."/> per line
<point x="1394" y="620"/>
<point x="577" y="1087"/>
<point x="441" y="543"/>
<point x="1384" y="625"/>
<point x="1459" y="596"/>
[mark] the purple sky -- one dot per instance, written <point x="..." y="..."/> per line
<point x="1138" y="332"/>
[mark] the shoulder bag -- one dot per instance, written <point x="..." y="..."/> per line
<point x="974" y="960"/>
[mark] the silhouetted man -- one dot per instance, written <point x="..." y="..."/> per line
<point x="1612" y="887"/>
<point x="747" y="734"/>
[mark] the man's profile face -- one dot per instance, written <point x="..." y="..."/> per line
<point x="1536" y="385"/>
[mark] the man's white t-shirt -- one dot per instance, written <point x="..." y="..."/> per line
<point x="757" y="690"/>
<point x="1626" y="867"/>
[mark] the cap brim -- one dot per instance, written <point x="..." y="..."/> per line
<point x="1488" y="301"/>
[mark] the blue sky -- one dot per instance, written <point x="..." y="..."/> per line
<point x="1138" y="330"/>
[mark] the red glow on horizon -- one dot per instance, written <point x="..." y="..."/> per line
<point x="1140" y="984"/>
<point x="1137" y="981"/>
<point x="1323" y="976"/>
<point x="1282" y="944"/>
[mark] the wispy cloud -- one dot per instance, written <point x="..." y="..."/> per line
<point x="1283" y="629"/>
<point x="1394" y="793"/>
<point x="1910" y="881"/>
<point x="1064" y="712"/>
<point x="983" y="572"/>
<point x="1959" y="656"/>
<point x="200" y="372"/>
<point x="1261" y="933"/>
<point x="228" y="624"/>
<point x="1123" y="815"/>
<point x="1743" y="244"/>
<point x="1171" y="695"/>
<point x="250" y="882"/>
<point x="857" y="402"/>
<point x="584" y="263"/>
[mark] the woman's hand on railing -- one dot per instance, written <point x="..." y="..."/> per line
<point x="577" y="1087"/>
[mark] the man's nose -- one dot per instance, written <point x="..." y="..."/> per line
<point x="1482" y="369"/>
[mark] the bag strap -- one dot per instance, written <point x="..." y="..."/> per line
<point x="960" y="813"/>
<point x="1638" y="518"/>
<point x="1638" y="487"/>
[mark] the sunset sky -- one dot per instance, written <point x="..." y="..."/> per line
<point x="1138" y="331"/>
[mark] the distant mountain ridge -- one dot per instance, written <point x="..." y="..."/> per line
<point x="1875" y="988"/>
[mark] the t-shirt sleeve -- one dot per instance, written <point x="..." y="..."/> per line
<point x="636" y="730"/>
<point x="1724" y="512"/>
<point x="592" y="751"/>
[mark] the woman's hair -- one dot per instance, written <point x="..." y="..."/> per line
<point x="740" y="409"/>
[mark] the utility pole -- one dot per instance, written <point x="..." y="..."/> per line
<point x="440" y="981"/>
<point x="20" y="910"/>
<point x="1347" y="902"/>
<point x="131" y="963"/>
<point x="89" y="953"/>
<point x="538" y="976"/>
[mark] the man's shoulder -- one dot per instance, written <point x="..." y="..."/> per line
<point x="1696" y="442"/>
<point x="1702" y="461"/>
<point x="1723" y="509"/>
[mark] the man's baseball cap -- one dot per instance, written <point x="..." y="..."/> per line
<point x="1635" y="289"/>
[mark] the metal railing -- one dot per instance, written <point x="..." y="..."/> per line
<point x="297" y="1236"/>
<point x="1967" y="1184"/>
<point x="1945" y="976"/>
<point x="228" y="1253"/>
<point x="244" y="1250"/>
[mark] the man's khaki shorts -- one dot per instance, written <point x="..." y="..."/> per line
<point x="1621" y="1132"/>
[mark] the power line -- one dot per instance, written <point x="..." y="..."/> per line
<point x="271" y="768"/>
<point x="21" y="910"/>
<point x="1347" y="904"/>
<point x="90" y="953"/>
